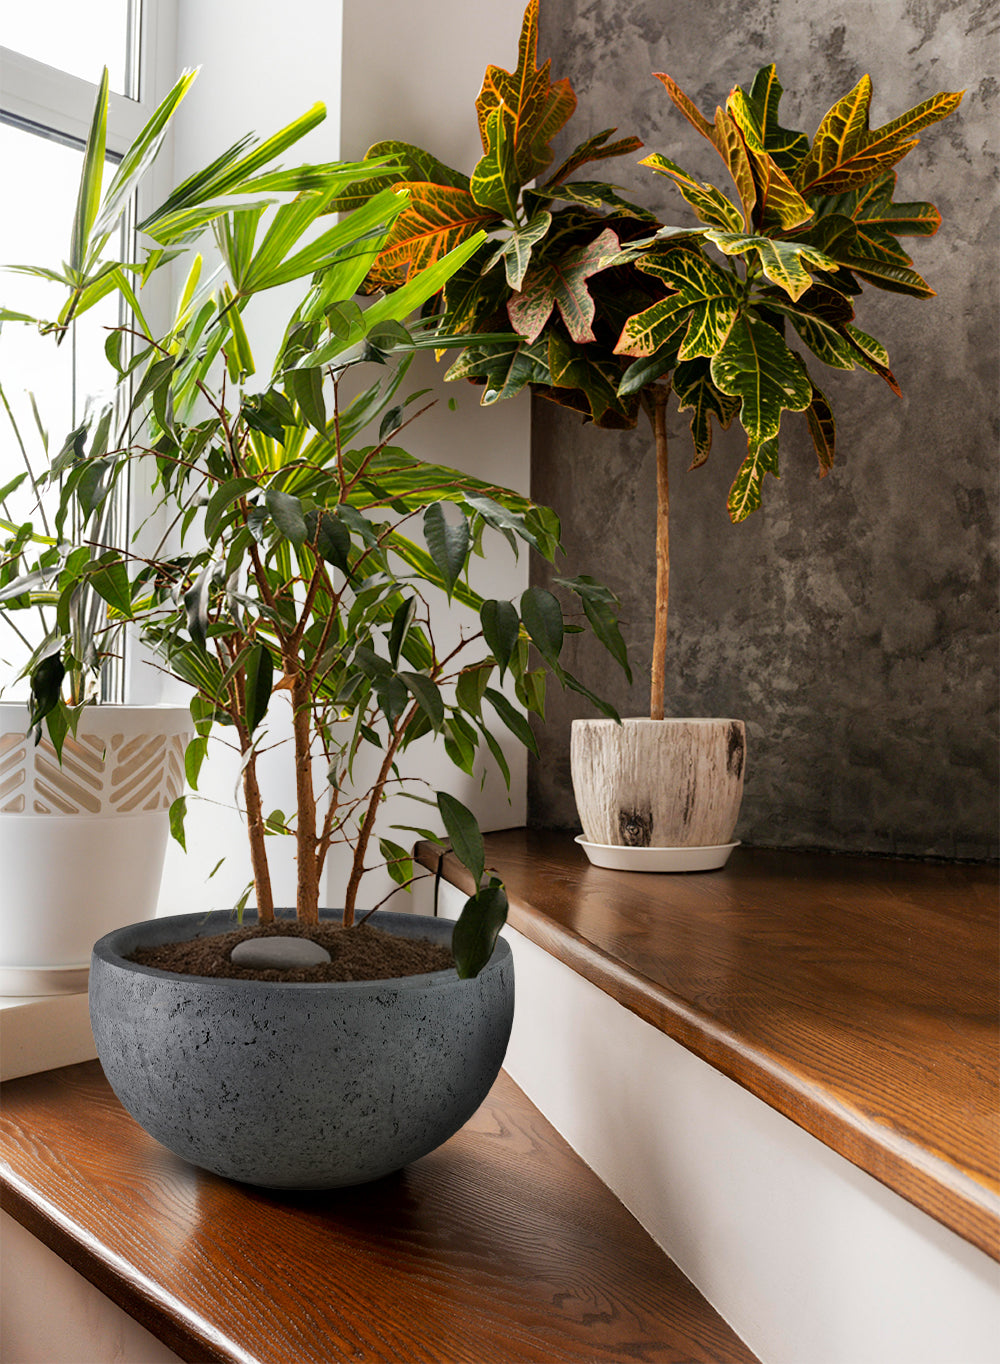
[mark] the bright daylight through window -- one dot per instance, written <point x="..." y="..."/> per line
<point x="52" y="57"/>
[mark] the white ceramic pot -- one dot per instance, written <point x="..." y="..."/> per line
<point x="671" y="785"/>
<point x="82" y="844"/>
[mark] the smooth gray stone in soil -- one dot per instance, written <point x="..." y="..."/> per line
<point x="278" y="954"/>
<point x="297" y="1085"/>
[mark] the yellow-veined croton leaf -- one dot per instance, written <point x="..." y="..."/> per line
<point x="705" y="303"/>
<point x="823" y="429"/>
<point x="709" y="203"/>
<point x="846" y="153"/>
<point x="778" y="201"/>
<point x="756" y="366"/>
<point x="698" y="395"/>
<point x="784" y="263"/>
<point x="744" y="495"/>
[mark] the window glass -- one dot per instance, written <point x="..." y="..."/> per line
<point x="42" y="175"/>
<point x="79" y="38"/>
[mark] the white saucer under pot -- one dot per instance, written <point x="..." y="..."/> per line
<point x="658" y="795"/>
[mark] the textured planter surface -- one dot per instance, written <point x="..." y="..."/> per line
<point x="82" y="843"/>
<point x="658" y="783"/>
<point x="291" y="1085"/>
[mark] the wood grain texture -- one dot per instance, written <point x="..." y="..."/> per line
<point x="857" y="996"/>
<point x="498" y="1248"/>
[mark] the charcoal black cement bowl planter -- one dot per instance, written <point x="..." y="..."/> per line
<point x="290" y="1085"/>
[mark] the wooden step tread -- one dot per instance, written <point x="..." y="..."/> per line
<point x="855" y="995"/>
<point x="501" y="1246"/>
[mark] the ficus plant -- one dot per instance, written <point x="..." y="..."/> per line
<point x="308" y="555"/>
<point x="586" y="299"/>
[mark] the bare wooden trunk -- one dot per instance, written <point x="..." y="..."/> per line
<point x="658" y="783"/>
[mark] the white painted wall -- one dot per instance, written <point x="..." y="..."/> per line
<point x="383" y="68"/>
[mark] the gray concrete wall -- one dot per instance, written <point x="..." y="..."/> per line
<point x="851" y="622"/>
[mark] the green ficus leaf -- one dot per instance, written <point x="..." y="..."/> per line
<point x="463" y="830"/>
<point x="476" y="931"/>
<point x="176" y="815"/>
<point x="331" y="537"/>
<point x="286" y="513"/>
<point x="512" y="718"/>
<point x="426" y="694"/>
<point x="46" y="684"/>
<point x="501" y="626"/>
<point x="447" y="542"/>
<point x="110" y="582"/>
<point x="401" y="621"/>
<point x="543" y="620"/>
<point x="259" y="669"/>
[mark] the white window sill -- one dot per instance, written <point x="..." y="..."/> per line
<point x="40" y="1032"/>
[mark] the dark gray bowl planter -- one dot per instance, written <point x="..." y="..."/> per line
<point x="297" y="1086"/>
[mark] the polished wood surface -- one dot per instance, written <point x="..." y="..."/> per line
<point x="855" y="995"/>
<point x="499" y="1247"/>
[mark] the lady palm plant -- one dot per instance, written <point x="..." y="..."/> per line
<point x="308" y="553"/>
<point x="598" y="307"/>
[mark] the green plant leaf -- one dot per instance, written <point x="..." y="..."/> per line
<point x="463" y="830"/>
<point x="745" y="494"/>
<point x="698" y="395"/>
<point x="784" y="263"/>
<point x="448" y="543"/>
<point x="537" y="107"/>
<point x="426" y="694"/>
<point x="596" y="148"/>
<point x="823" y="429"/>
<point x="91" y="176"/>
<point x="516" y="251"/>
<point x="110" y="582"/>
<point x="401" y="621"/>
<point x="561" y="283"/>
<point x="259" y="670"/>
<point x="512" y="718"/>
<point x="709" y="203"/>
<point x="845" y="153"/>
<point x="501" y="627"/>
<point x="286" y="512"/>
<point x="495" y="182"/>
<point x="222" y="499"/>
<point x="755" y="365"/>
<point x="477" y="928"/>
<point x="46" y="687"/>
<point x="705" y="304"/>
<point x="176" y="815"/>
<point x="196" y="606"/>
<point x="331" y="537"/>
<point x="786" y="148"/>
<point x="543" y="620"/>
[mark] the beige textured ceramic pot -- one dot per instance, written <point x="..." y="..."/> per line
<point x="658" y="783"/>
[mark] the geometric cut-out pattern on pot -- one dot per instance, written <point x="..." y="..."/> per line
<point x="117" y="776"/>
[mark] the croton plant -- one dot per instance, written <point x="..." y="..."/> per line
<point x="590" y="301"/>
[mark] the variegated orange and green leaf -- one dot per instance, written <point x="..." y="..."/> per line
<point x="756" y="366"/>
<point x="784" y="263"/>
<point x="709" y="203"/>
<point x="437" y="218"/>
<point x="697" y="394"/>
<point x="560" y="283"/>
<point x="596" y="148"/>
<point x="785" y="147"/>
<point x="778" y="202"/>
<point x="868" y="251"/>
<point x="846" y="153"/>
<point x="705" y="302"/>
<point x="538" y="108"/>
<point x="495" y="183"/>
